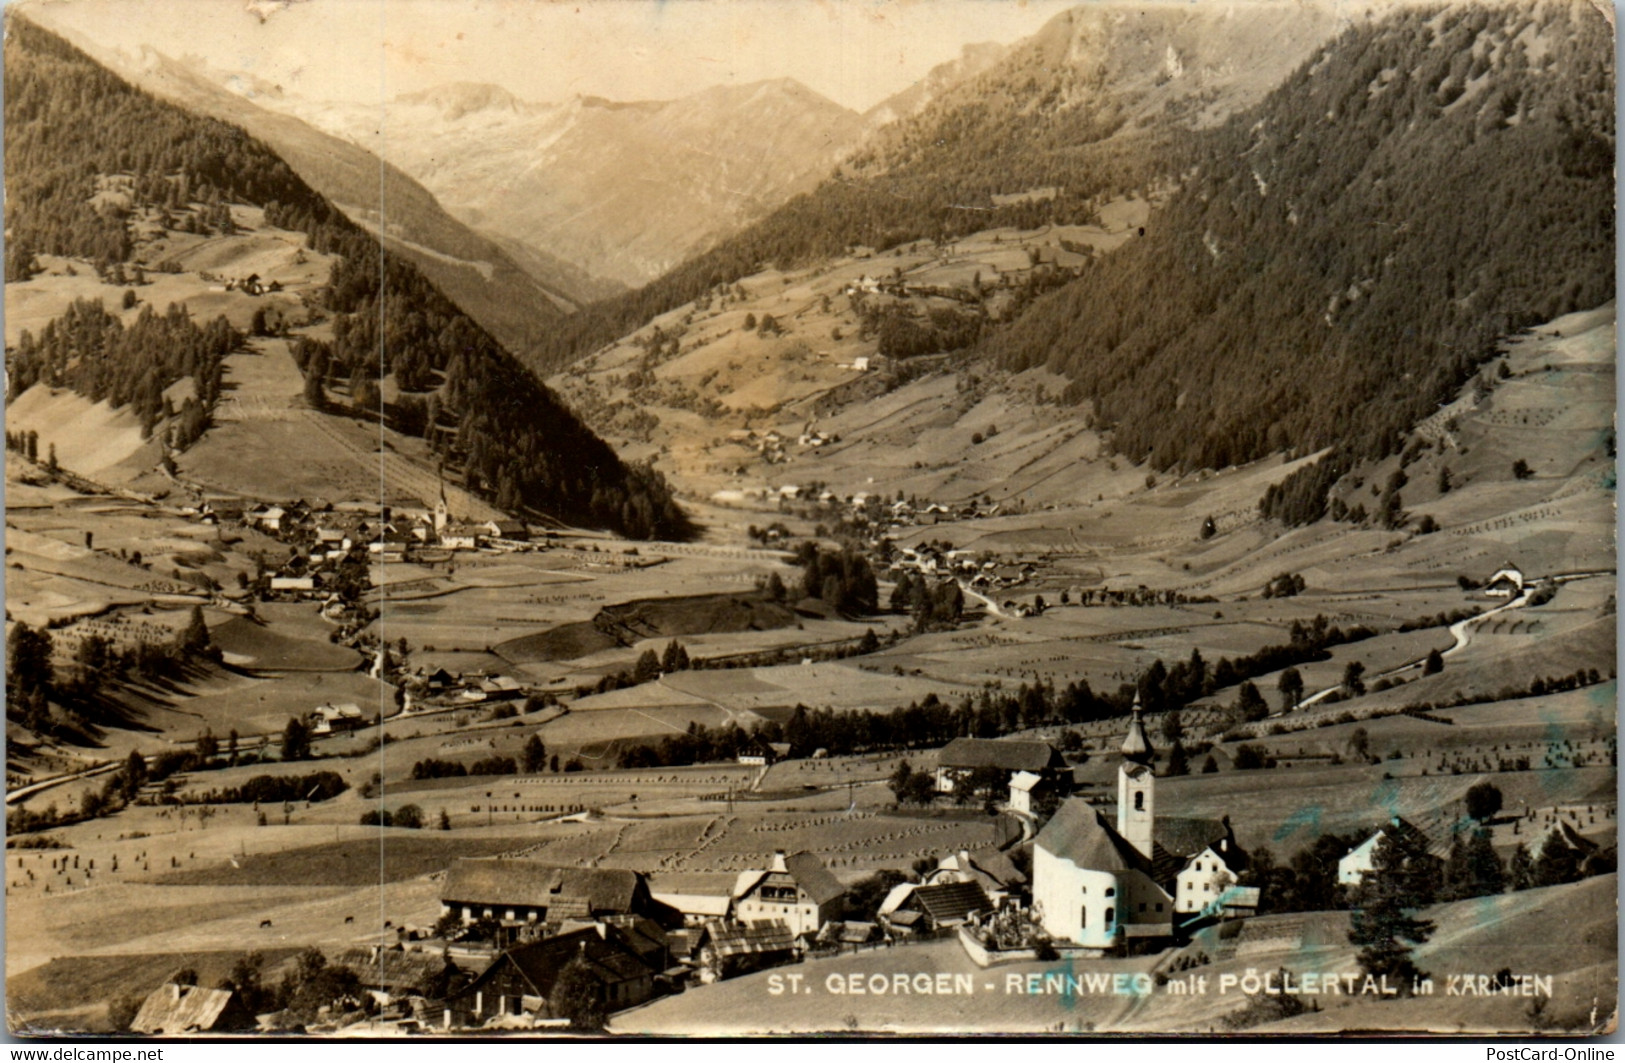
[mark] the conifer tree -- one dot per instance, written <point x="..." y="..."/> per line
<point x="1383" y="925"/>
<point x="1178" y="761"/>
<point x="1558" y="862"/>
<point x="1489" y="874"/>
<point x="1521" y="868"/>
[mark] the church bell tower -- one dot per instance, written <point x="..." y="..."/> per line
<point x="441" y="516"/>
<point x="1136" y="787"/>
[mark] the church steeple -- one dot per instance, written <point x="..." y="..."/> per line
<point x="442" y="516"/>
<point x="1136" y="787"/>
<point x="1136" y="745"/>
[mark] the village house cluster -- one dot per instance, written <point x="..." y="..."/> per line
<point x="1102" y="881"/>
<point x="322" y="538"/>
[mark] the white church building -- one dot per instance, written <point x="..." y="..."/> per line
<point x="1123" y="883"/>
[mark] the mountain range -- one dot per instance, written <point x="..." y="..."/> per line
<point x="626" y="190"/>
<point x="1306" y="278"/>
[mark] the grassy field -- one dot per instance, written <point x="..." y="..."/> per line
<point x="391" y="856"/>
<point x="1289" y="810"/>
<point x="263" y="648"/>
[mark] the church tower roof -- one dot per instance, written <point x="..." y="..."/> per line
<point x="1137" y="745"/>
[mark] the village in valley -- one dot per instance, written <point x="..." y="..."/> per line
<point x="319" y="723"/>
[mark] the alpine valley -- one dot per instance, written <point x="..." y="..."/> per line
<point x="1134" y="508"/>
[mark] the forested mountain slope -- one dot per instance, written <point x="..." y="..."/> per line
<point x="69" y="122"/>
<point x="516" y="299"/>
<point x="1346" y="254"/>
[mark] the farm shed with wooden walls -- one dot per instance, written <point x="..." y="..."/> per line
<point x="726" y="950"/>
<point x="698" y="908"/>
<point x="942" y="906"/>
<point x="520" y="981"/>
<point x="180" y="1009"/>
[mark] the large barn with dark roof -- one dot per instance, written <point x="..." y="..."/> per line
<point x="527" y="891"/>
<point x="1015" y="757"/>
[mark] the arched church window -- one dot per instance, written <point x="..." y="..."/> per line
<point x="1139" y="800"/>
<point x="1111" y="913"/>
<point x="1111" y="891"/>
<point x="1083" y="918"/>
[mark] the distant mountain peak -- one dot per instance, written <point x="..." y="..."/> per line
<point x="456" y="99"/>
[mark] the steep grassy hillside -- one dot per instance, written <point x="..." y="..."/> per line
<point x="70" y="124"/>
<point x="516" y="302"/>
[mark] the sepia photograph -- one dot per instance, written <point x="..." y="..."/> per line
<point x="728" y="519"/>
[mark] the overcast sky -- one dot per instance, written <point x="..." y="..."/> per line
<point x="856" y="52"/>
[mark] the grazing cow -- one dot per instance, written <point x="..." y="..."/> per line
<point x="388" y="923"/>
<point x="349" y="919"/>
<point x="264" y="923"/>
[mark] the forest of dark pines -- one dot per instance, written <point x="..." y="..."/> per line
<point x="1351" y="251"/>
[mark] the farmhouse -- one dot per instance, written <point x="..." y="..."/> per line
<point x="330" y="719"/>
<point x="1119" y="887"/>
<point x="963" y="756"/>
<point x="796" y="890"/>
<point x="1022" y="784"/>
<point x="763" y="753"/>
<point x="1583" y="847"/>
<point x="511" y="530"/>
<point x="461" y="536"/>
<point x="518" y="891"/>
<point x="392" y="546"/>
<point x="268" y="517"/>
<point x="522" y="978"/>
<point x="989" y="868"/>
<point x="1507" y="583"/>
<point x="181" y="1009"/>
<point x="1207" y="882"/>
